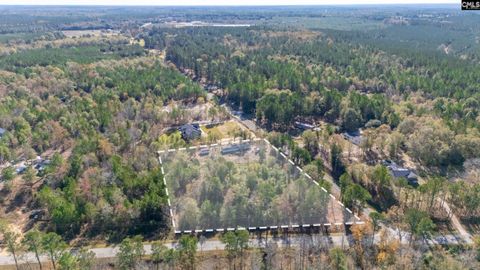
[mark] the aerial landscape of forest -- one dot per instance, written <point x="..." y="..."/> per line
<point x="268" y="137"/>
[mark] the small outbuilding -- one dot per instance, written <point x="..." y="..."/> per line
<point x="235" y="149"/>
<point x="2" y="132"/>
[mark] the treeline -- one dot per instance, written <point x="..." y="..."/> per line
<point x="248" y="194"/>
<point x="283" y="78"/>
<point x="59" y="56"/>
<point x="102" y="121"/>
<point x="316" y="91"/>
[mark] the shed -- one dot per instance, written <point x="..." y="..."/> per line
<point x="234" y="149"/>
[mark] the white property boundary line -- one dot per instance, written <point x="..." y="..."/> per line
<point x="273" y="227"/>
<point x="166" y="191"/>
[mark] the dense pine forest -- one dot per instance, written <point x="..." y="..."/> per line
<point x="355" y="96"/>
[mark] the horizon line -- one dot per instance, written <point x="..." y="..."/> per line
<point x="227" y="5"/>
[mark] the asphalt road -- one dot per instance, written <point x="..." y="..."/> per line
<point x="337" y="240"/>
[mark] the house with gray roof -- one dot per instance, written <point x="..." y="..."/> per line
<point x="398" y="171"/>
<point x="190" y="131"/>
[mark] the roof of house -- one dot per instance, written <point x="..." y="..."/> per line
<point x="304" y="125"/>
<point x="354" y="137"/>
<point x="190" y="130"/>
<point x="401" y="172"/>
<point x="2" y="131"/>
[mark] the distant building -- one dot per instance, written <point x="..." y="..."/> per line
<point x="211" y="87"/>
<point x="2" y="132"/>
<point x="354" y="137"/>
<point x="398" y="172"/>
<point x="190" y="131"/>
<point x="236" y="148"/>
<point x="304" y="126"/>
<point x="20" y="169"/>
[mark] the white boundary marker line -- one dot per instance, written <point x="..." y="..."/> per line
<point x="166" y="191"/>
<point x="251" y="228"/>
<point x="293" y="226"/>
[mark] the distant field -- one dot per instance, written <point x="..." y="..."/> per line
<point x="79" y="33"/>
<point x="330" y="22"/>
<point x="5" y="38"/>
<point x="229" y="129"/>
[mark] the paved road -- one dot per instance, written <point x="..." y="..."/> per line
<point x="337" y="240"/>
<point x="209" y="245"/>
